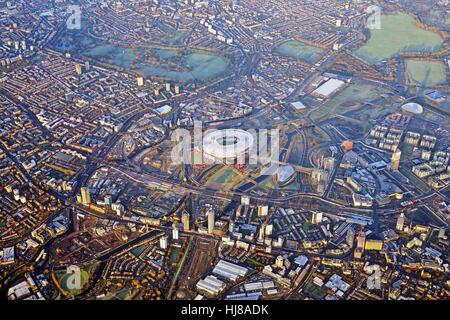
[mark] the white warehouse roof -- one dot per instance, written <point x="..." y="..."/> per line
<point x="329" y="87"/>
<point x="229" y="270"/>
<point x="211" y="284"/>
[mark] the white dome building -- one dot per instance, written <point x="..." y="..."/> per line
<point x="412" y="108"/>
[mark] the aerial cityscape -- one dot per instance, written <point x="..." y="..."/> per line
<point x="238" y="150"/>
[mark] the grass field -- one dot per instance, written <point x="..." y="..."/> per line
<point x="398" y="33"/>
<point x="299" y="50"/>
<point x="224" y="179"/>
<point x="425" y="73"/>
<point x="62" y="278"/>
<point x="351" y="98"/>
<point x="315" y="292"/>
<point x="406" y="151"/>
